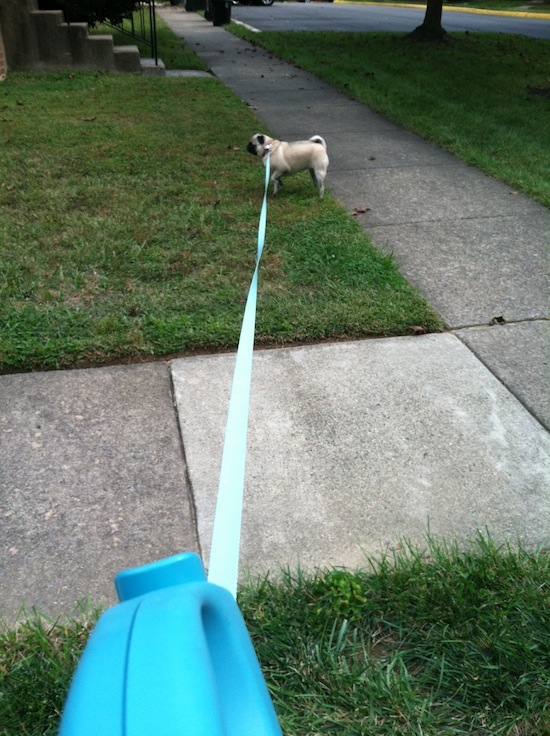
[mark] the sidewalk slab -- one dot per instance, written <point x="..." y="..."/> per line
<point x="353" y="446"/>
<point x="473" y="270"/>
<point x="336" y="115"/>
<point x="92" y="481"/>
<point x="428" y="193"/>
<point x="187" y="73"/>
<point x="384" y="149"/>
<point x="503" y="348"/>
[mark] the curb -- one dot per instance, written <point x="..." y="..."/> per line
<point x="453" y="9"/>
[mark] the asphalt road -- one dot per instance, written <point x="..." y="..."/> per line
<point x="335" y="17"/>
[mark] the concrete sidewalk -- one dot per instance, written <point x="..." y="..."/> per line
<point x="352" y="445"/>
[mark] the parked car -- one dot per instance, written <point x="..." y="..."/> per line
<point x="218" y="11"/>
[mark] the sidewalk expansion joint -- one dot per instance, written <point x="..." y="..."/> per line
<point x="188" y="487"/>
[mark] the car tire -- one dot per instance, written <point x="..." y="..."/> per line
<point x="265" y="3"/>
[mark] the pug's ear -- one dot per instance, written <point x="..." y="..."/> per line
<point x="261" y="139"/>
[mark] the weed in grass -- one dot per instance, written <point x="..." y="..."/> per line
<point x="472" y="97"/>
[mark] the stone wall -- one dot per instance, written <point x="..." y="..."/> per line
<point x="20" y="42"/>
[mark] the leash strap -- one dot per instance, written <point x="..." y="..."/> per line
<point x="226" y="536"/>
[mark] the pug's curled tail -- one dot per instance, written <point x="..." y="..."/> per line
<point x="318" y="139"/>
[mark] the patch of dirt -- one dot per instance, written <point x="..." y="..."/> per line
<point x="539" y="91"/>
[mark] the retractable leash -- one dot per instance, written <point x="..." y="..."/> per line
<point x="174" y="658"/>
<point x="226" y="535"/>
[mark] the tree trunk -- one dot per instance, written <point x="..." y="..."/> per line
<point x="431" y="28"/>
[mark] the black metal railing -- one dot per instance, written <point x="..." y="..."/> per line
<point x="141" y="25"/>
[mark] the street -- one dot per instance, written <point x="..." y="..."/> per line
<point x="335" y="17"/>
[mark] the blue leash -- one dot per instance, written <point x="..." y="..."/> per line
<point x="175" y="656"/>
<point x="226" y="536"/>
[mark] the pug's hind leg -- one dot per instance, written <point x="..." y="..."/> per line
<point x="277" y="183"/>
<point x="318" y="181"/>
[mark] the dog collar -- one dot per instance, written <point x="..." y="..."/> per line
<point x="270" y="147"/>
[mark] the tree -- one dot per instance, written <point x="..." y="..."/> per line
<point x="431" y="28"/>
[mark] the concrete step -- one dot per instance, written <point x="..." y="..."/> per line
<point x="127" y="59"/>
<point x="53" y="45"/>
<point x="63" y="46"/>
<point x="77" y="34"/>
<point x="100" y="53"/>
<point x="149" y="67"/>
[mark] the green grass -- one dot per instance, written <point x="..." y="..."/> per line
<point x="422" y="643"/>
<point x="37" y="659"/>
<point x="128" y="223"/>
<point x="426" y="642"/>
<point x="475" y="97"/>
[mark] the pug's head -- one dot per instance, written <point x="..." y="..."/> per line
<point x="257" y="144"/>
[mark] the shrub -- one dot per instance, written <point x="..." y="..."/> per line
<point x="91" y="11"/>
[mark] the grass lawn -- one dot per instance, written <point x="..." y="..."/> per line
<point x="484" y="97"/>
<point x="128" y="223"/>
<point x="426" y="643"/>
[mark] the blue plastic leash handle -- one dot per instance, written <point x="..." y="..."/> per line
<point x="226" y="535"/>
<point x="174" y="657"/>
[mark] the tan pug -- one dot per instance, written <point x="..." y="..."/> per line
<point x="290" y="158"/>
